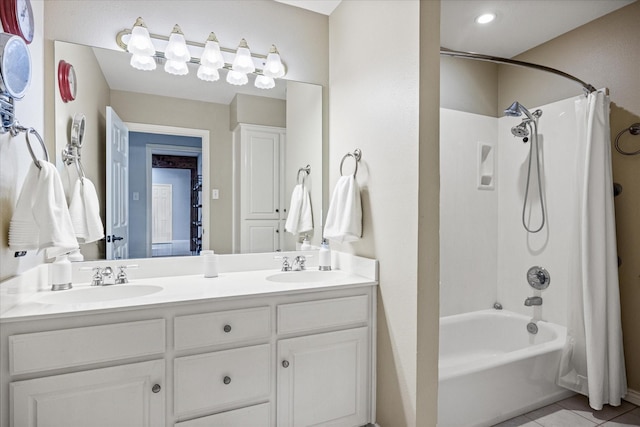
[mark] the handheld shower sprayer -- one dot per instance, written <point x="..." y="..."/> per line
<point x="530" y="123"/>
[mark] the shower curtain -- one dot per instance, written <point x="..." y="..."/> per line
<point x="593" y="361"/>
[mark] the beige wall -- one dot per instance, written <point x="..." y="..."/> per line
<point x="258" y="110"/>
<point x="429" y="215"/>
<point x="605" y="53"/>
<point x="468" y="85"/>
<point x="14" y="157"/>
<point x="92" y="97"/>
<point x="376" y="108"/>
<point x="304" y="147"/>
<point x="159" y="110"/>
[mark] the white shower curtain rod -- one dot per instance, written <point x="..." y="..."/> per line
<point x="480" y="57"/>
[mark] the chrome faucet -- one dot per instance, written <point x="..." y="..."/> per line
<point x="286" y="266"/>
<point x="299" y="263"/>
<point x="103" y="277"/>
<point x="533" y="301"/>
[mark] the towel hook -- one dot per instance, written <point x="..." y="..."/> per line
<point x="634" y="129"/>
<point x="71" y="153"/>
<point x="17" y="128"/>
<point x="306" y="170"/>
<point x="357" y="155"/>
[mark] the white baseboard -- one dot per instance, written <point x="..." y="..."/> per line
<point x="633" y="397"/>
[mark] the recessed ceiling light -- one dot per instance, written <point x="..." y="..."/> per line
<point x="485" y="18"/>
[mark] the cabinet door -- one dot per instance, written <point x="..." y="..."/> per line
<point x="124" y="396"/>
<point x="261" y="190"/>
<point x="260" y="236"/>
<point x="323" y="379"/>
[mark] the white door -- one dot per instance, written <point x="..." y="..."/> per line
<point x="261" y="193"/>
<point x="162" y="213"/>
<point x="323" y="379"/>
<point x="117" y="187"/>
<point x="125" y="396"/>
<point x="260" y="235"/>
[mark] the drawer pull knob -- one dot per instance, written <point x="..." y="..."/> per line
<point x="285" y="364"/>
<point x="227" y="328"/>
<point x="226" y="380"/>
<point x="156" y="388"/>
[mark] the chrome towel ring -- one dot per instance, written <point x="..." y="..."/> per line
<point x="17" y="128"/>
<point x="357" y="155"/>
<point x="634" y="129"/>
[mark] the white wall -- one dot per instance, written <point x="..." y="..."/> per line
<point x="517" y="249"/>
<point x="375" y="107"/>
<point x="468" y="216"/>
<point x="14" y="157"/>
<point x="485" y="250"/>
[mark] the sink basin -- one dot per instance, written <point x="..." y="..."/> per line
<point x="98" y="294"/>
<point x="308" y="276"/>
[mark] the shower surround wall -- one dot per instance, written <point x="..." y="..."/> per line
<point x="485" y="250"/>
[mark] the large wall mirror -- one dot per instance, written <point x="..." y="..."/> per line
<point x="181" y="148"/>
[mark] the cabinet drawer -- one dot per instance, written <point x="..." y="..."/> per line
<point x="216" y="380"/>
<point x="222" y="327"/>
<point x="80" y="346"/>
<point x="254" y="416"/>
<point x="328" y="313"/>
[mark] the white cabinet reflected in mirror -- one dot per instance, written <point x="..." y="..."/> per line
<point x="181" y="148"/>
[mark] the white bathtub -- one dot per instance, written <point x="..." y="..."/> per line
<point x="491" y="369"/>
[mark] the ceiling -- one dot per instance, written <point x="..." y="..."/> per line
<point x="519" y="26"/>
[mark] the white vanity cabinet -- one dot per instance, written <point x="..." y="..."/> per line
<point x="124" y="396"/>
<point x="275" y="360"/>
<point x="82" y="397"/>
<point x="325" y="378"/>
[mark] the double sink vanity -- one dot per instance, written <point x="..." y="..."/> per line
<point x="254" y="346"/>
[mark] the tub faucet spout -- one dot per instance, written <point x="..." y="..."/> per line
<point x="533" y="301"/>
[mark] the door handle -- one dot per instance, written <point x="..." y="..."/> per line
<point x="113" y="238"/>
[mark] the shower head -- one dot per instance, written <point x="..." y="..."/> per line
<point x="516" y="110"/>
<point x="520" y="130"/>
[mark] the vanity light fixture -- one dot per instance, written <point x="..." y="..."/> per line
<point x="148" y="49"/>
<point x="177" y="53"/>
<point x="140" y="41"/>
<point x="274" y="67"/>
<point x="485" y="18"/>
<point x="264" y="82"/>
<point x="141" y="47"/>
<point x="237" y="78"/>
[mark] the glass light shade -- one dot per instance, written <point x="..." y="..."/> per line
<point x="140" y="41"/>
<point x="142" y="62"/>
<point x="212" y="57"/>
<point x="176" y="49"/>
<point x="208" y="74"/>
<point x="237" y="78"/>
<point x="273" y="66"/>
<point x="177" y="68"/>
<point x="243" y="63"/>
<point x="264" y="82"/>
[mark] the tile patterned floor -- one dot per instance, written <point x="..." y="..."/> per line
<point x="575" y="412"/>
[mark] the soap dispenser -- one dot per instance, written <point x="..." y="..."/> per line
<point x="61" y="273"/>
<point x="306" y="245"/>
<point x="324" y="256"/>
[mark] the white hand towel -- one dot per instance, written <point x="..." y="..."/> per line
<point x="344" y="218"/>
<point x="85" y="212"/>
<point x="300" y="218"/>
<point x="41" y="218"/>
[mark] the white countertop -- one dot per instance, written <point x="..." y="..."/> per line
<point x="177" y="290"/>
